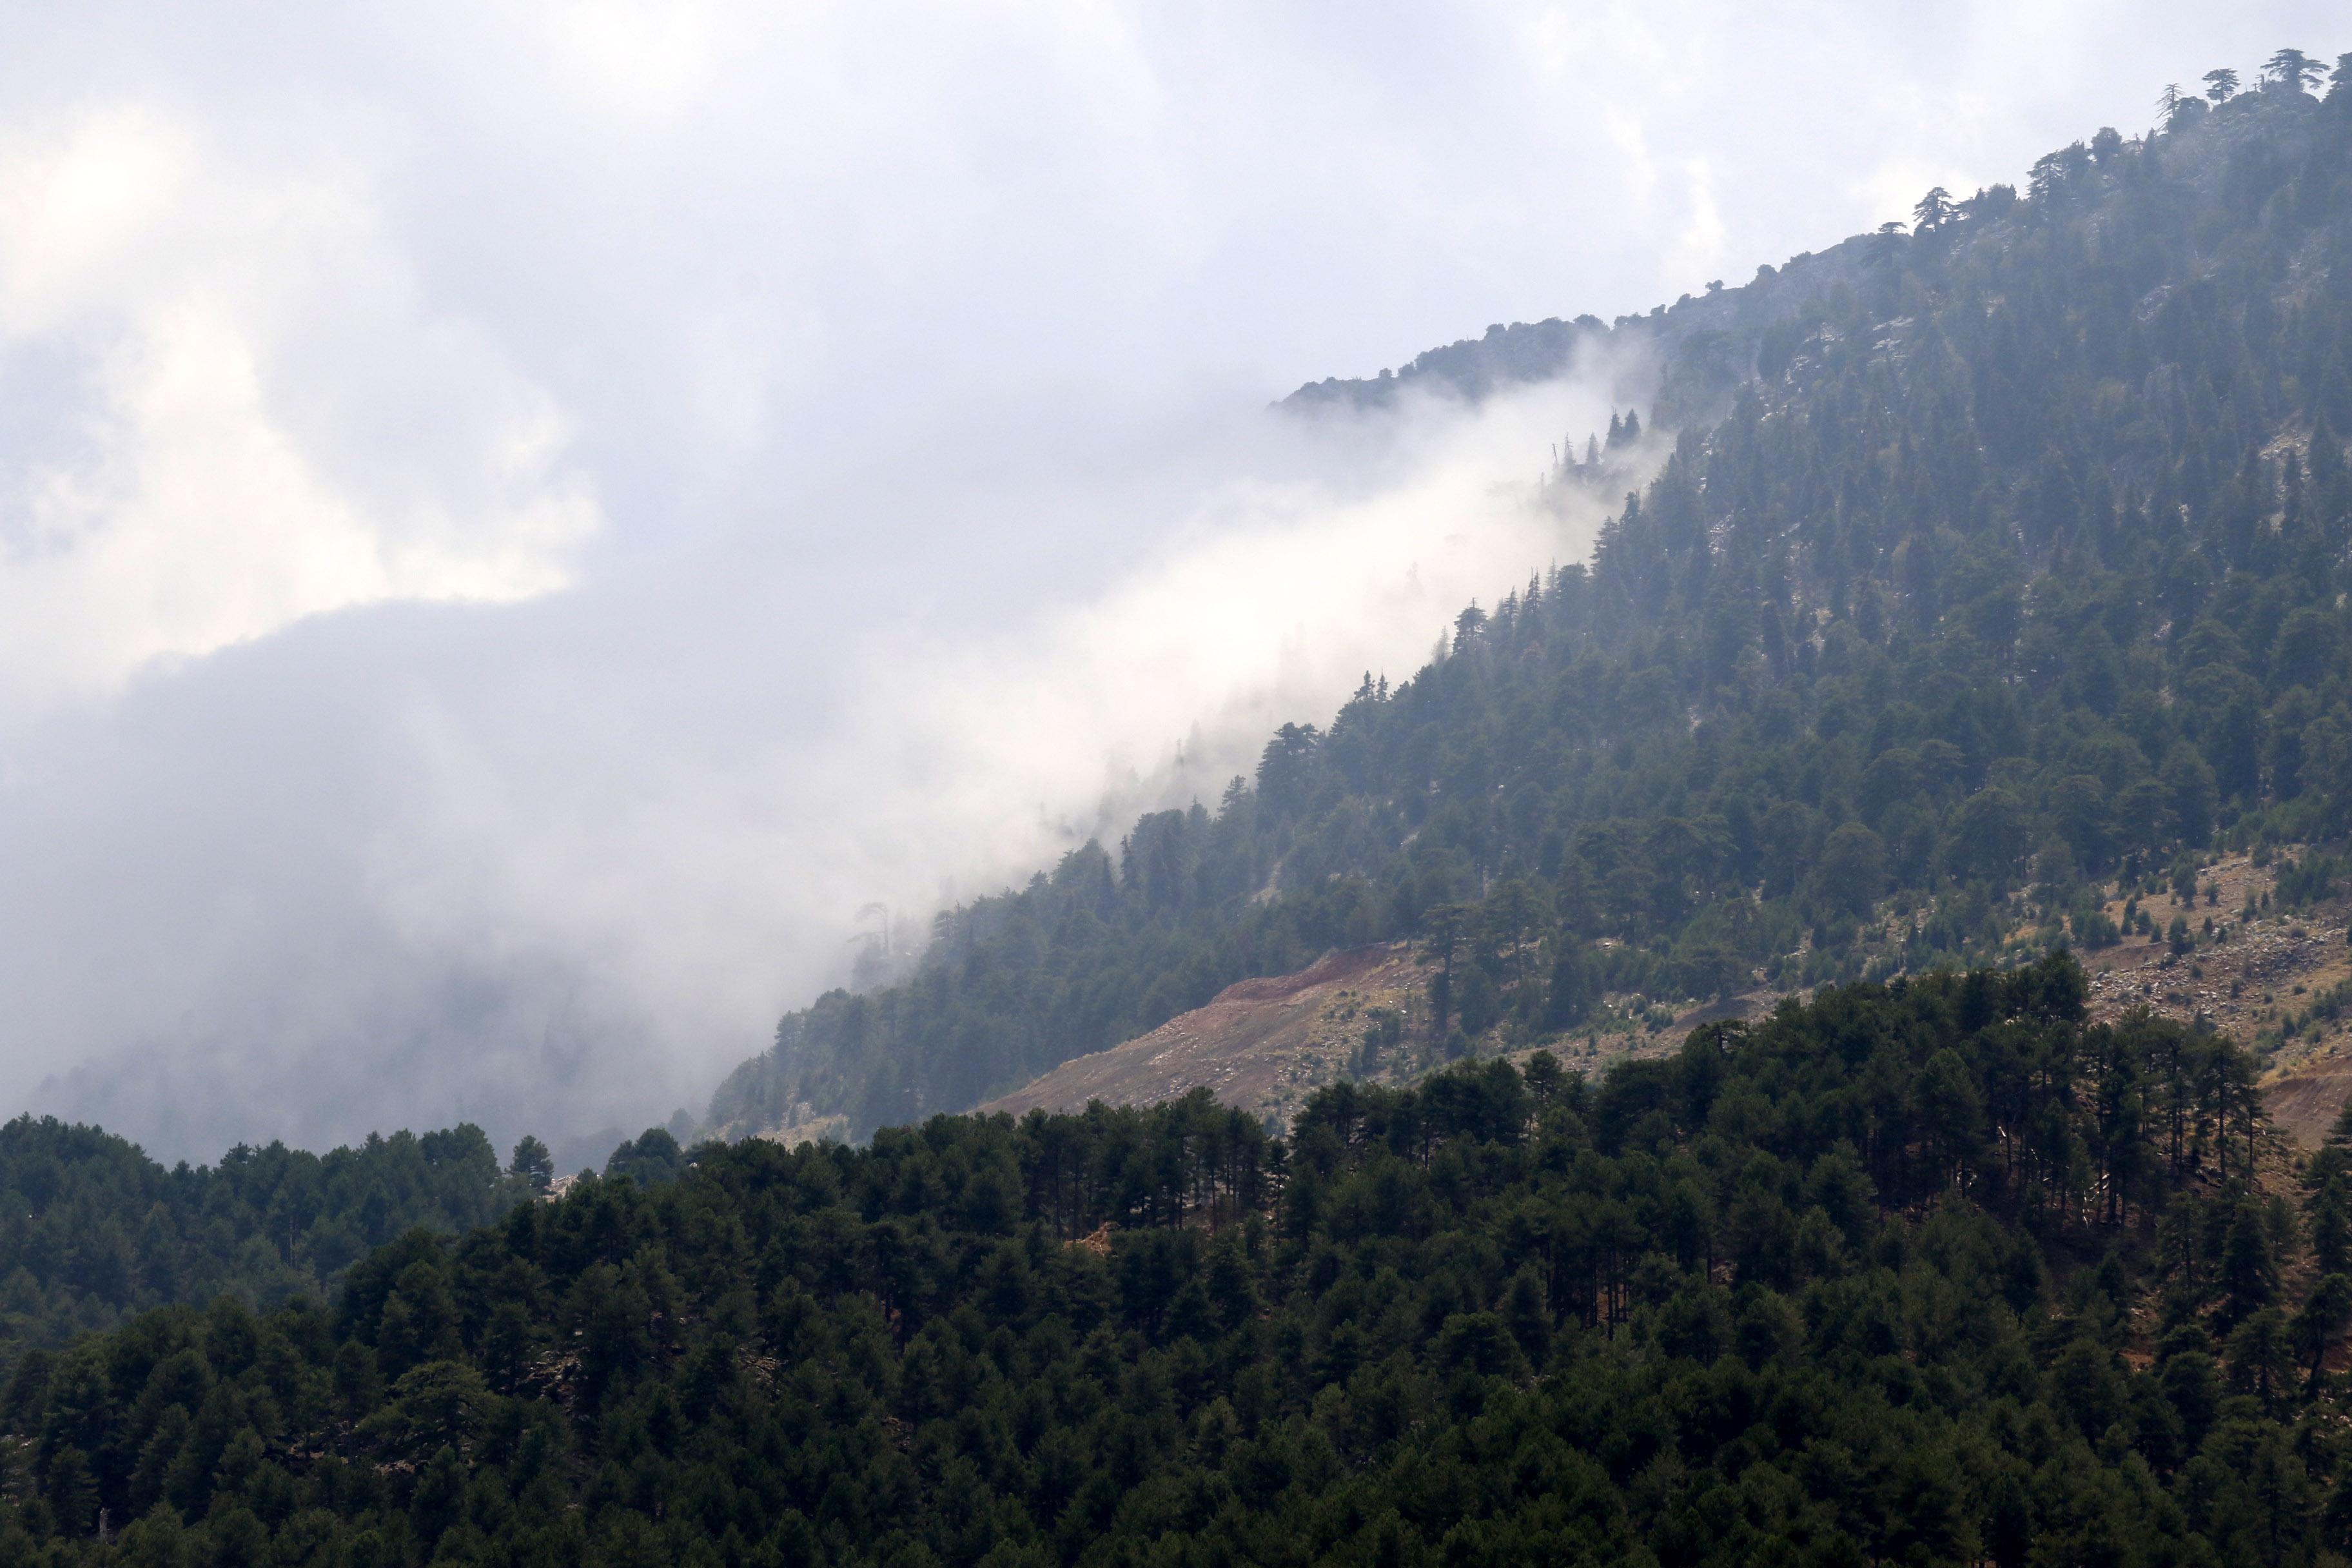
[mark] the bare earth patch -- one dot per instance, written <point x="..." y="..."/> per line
<point x="1264" y="1045"/>
<point x="1261" y="1045"/>
<point x="2265" y="972"/>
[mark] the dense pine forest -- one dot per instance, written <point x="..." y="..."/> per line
<point x="1923" y="1272"/>
<point x="1984" y="569"/>
<point x="1996" y="560"/>
<point x="92" y="1231"/>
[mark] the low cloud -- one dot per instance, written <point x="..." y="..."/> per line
<point x="207" y="364"/>
<point x="561" y="866"/>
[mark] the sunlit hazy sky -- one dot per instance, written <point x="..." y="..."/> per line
<point x="513" y="516"/>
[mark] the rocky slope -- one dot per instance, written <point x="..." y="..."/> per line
<point x="1262" y="1045"/>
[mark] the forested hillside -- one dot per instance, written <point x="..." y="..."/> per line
<point x="2007" y="567"/>
<point x="93" y="1231"/>
<point x="1930" y="1272"/>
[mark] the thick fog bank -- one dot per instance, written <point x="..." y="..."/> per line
<point x="557" y="866"/>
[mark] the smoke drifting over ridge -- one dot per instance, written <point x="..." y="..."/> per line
<point x="558" y="866"/>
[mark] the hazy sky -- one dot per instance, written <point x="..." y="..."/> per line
<point x="517" y="520"/>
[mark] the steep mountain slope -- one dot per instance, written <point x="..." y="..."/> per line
<point x="2005" y="592"/>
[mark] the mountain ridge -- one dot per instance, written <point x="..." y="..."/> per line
<point x="1995" y="580"/>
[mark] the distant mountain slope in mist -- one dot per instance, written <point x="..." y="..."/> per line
<point x="1995" y="584"/>
<point x="1703" y="344"/>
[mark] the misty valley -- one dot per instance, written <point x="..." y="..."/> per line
<point x="1815" y="1031"/>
